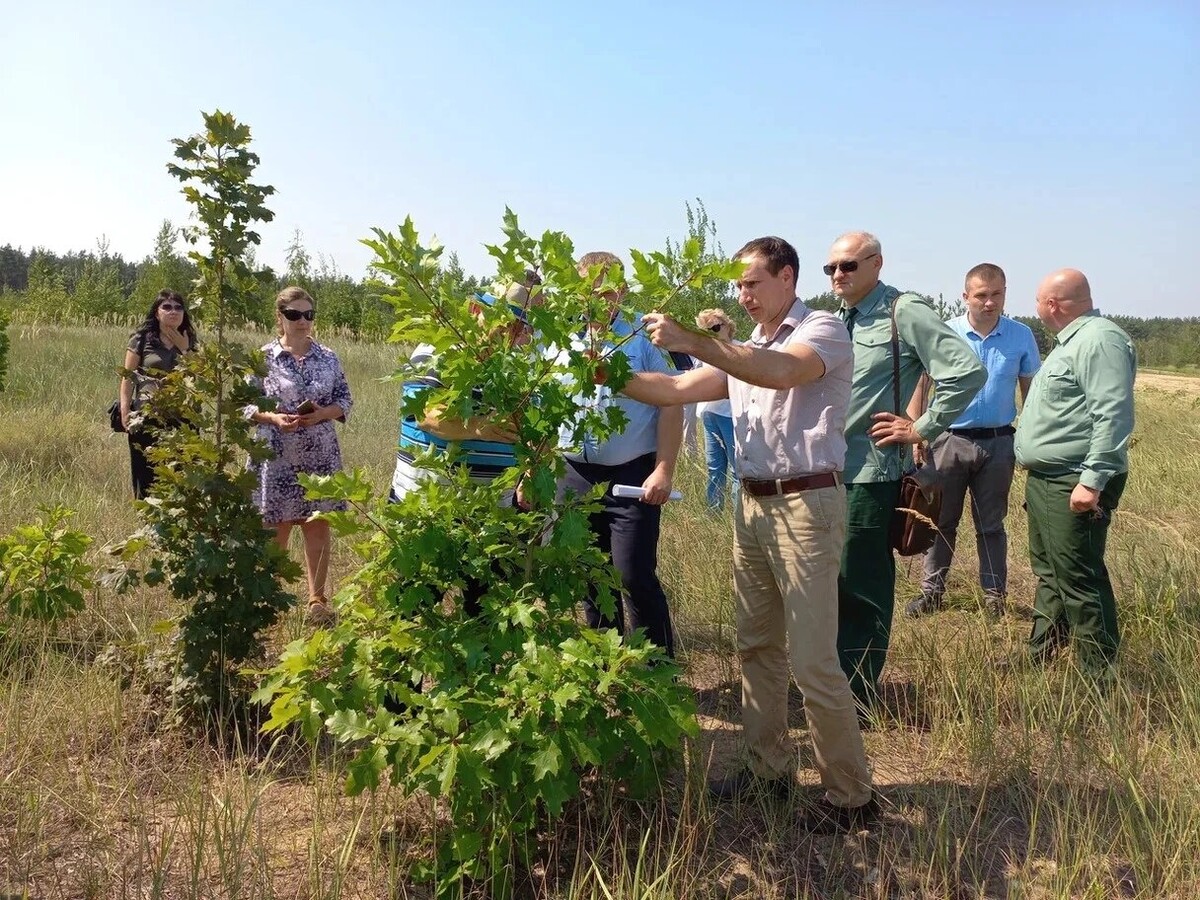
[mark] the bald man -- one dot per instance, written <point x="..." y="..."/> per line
<point x="1073" y="437"/>
<point x="878" y="434"/>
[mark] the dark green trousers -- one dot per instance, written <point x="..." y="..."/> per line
<point x="866" y="586"/>
<point x="1074" y="596"/>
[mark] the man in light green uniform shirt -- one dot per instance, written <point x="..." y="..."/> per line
<point x="877" y="433"/>
<point x="1073" y="437"/>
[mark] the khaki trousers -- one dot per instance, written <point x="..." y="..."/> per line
<point x="787" y="553"/>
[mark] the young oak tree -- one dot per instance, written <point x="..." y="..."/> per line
<point x="205" y="535"/>
<point x="499" y="714"/>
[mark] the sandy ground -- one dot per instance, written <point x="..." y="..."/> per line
<point x="1160" y="381"/>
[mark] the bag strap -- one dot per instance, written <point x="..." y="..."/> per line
<point x="895" y="356"/>
<point x="141" y="352"/>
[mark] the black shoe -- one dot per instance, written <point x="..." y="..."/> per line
<point x="745" y="783"/>
<point x="923" y="606"/>
<point x="825" y="818"/>
<point x="993" y="605"/>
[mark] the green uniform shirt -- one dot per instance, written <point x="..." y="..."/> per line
<point x="927" y="344"/>
<point x="1079" y="413"/>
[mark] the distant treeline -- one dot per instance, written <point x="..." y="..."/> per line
<point x="1160" y="343"/>
<point x="44" y="286"/>
<point x="98" y="286"/>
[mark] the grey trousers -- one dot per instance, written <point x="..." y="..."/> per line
<point x="984" y="467"/>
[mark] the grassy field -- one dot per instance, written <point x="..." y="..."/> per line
<point x="996" y="783"/>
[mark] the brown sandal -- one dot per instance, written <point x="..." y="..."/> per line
<point x="320" y="612"/>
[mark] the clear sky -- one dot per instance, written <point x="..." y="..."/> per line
<point x="1033" y="135"/>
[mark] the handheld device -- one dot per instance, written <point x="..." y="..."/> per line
<point x="637" y="492"/>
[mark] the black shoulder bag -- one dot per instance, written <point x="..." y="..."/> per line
<point x="914" y="520"/>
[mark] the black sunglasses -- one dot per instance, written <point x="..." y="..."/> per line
<point x="170" y="307"/>
<point x="846" y="265"/>
<point x="295" y="315"/>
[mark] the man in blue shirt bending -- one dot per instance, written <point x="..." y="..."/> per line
<point x="976" y="453"/>
<point x="487" y="447"/>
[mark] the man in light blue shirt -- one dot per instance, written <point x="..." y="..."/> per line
<point x="641" y="432"/>
<point x="642" y="455"/>
<point x="976" y="453"/>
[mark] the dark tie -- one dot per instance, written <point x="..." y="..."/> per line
<point x="851" y="315"/>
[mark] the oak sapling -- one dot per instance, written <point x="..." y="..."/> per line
<point x="520" y="701"/>
<point x="43" y="573"/>
<point x="201" y="529"/>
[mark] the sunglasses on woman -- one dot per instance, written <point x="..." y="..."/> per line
<point x="295" y="315"/>
<point x="170" y="307"/>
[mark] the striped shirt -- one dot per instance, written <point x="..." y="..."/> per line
<point x="484" y="459"/>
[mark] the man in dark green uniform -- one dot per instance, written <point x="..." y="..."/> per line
<point x="1073" y="437"/>
<point x="877" y="435"/>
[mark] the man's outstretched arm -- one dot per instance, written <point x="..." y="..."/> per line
<point x="660" y="389"/>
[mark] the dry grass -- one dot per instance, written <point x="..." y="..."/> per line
<point x="996" y="783"/>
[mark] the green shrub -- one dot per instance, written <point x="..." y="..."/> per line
<point x="42" y="570"/>
<point x="524" y="700"/>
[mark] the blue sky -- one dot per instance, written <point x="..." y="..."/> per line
<point x="1034" y="135"/>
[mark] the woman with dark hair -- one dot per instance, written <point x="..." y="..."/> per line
<point x="154" y="350"/>
<point x="306" y="381"/>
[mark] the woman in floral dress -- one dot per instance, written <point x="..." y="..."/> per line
<point x="306" y="381"/>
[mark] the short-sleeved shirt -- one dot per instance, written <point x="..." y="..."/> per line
<point x="484" y="460"/>
<point x="290" y="380"/>
<point x="926" y="345"/>
<point x="1079" y="413"/>
<point x="157" y="359"/>
<point x="801" y="430"/>
<point x="1009" y="351"/>
<point x="641" y="432"/>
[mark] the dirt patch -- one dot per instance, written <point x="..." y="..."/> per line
<point x="1183" y="384"/>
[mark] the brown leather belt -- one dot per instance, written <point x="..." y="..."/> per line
<point x="775" y="487"/>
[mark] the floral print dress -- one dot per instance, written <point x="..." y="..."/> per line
<point x="290" y="380"/>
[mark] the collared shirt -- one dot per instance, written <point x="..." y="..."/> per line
<point x="316" y="376"/>
<point x="798" y="431"/>
<point x="640" y="435"/>
<point x="484" y="459"/>
<point x="291" y="380"/>
<point x="1008" y="351"/>
<point x="926" y="345"/>
<point x="1079" y="413"/>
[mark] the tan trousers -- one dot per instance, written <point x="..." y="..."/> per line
<point x="786" y="556"/>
